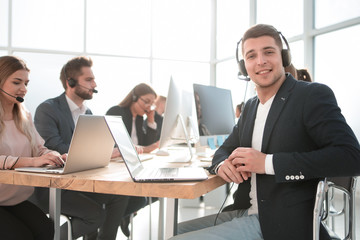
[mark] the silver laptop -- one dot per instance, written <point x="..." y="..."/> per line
<point x="91" y="147"/>
<point x="137" y="171"/>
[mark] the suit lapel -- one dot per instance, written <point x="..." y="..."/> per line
<point x="277" y="106"/>
<point x="247" y="130"/>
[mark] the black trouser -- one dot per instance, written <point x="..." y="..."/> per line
<point x="89" y="211"/>
<point x="25" y="221"/>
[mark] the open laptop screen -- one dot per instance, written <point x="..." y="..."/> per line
<point x="121" y="137"/>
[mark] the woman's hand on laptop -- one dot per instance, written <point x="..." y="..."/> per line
<point x="52" y="158"/>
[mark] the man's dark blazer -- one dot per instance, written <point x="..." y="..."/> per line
<point x="145" y="134"/>
<point x="309" y="139"/>
<point x="54" y="122"/>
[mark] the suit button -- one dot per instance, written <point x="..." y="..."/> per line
<point x="287" y="177"/>
<point x="297" y="177"/>
<point x="302" y="177"/>
<point x="292" y="177"/>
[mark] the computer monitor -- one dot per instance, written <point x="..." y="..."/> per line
<point x="179" y="124"/>
<point x="215" y="114"/>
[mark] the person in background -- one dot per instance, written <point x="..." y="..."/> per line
<point x="203" y="130"/>
<point x="299" y="74"/>
<point x="55" y="120"/>
<point x="20" y="146"/>
<point x="132" y="108"/>
<point x="304" y="75"/>
<point x="282" y="145"/>
<point x="160" y="103"/>
<point x="238" y="109"/>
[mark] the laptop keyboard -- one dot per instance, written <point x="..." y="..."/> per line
<point x="52" y="167"/>
<point x="159" y="173"/>
<point x="166" y="172"/>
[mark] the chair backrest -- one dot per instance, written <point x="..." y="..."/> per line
<point x="345" y="182"/>
<point x="347" y="186"/>
<point x="319" y="209"/>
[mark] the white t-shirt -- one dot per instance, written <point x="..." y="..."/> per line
<point x="261" y="116"/>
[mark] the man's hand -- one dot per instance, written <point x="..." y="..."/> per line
<point x="248" y="160"/>
<point x="228" y="172"/>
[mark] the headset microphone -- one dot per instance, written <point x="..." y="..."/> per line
<point x="19" y="99"/>
<point x="91" y="89"/>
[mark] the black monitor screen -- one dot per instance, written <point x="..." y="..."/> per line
<point x="214" y="110"/>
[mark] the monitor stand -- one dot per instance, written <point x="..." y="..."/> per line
<point x="187" y="138"/>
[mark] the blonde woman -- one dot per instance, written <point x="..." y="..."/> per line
<point x="20" y="146"/>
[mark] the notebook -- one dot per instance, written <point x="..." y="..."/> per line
<point x="137" y="171"/>
<point x="91" y="147"/>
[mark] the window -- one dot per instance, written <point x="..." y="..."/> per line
<point x="232" y="21"/>
<point x="4" y="7"/>
<point x="286" y="16"/>
<point x="43" y="24"/>
<point x="181" y="29"/>
<point x="119" y="27"/>
<point x="297" y="54"/>
<point x="335" y="11"/>
<point x="336" y="69"/>
<point x="115" y="77"/>
<point x="184" y="73"/>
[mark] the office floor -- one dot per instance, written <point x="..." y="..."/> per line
<point x="190" y="209"/>
<point x="141" y="221"/>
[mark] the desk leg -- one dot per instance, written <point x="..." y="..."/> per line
<point x="54" y="210"/>
<point x="168" y="216"/>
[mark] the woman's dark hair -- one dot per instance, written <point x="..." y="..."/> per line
<point x="138" y="91"/>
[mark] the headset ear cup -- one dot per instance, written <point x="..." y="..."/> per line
<point x="242" y="68"/>
<point x="72" y="82"/>
<point x="134" y="98"/>
<point x="286" y="57"/>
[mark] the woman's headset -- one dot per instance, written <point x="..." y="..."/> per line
<point x="134" y="96"/>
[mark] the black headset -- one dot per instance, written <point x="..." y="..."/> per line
<point x="72" y="82"/>
<point x="134" y="97"/>
<point x="285" y="55"/>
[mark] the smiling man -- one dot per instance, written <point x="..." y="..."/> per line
<point x="289" y="136"/>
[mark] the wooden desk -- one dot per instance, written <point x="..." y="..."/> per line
<point x="115" y="179"/>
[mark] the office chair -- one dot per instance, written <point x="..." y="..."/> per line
<point x="324" y="206"/>
<point x="150" y="201"/>
<point x="68" y="221"/>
